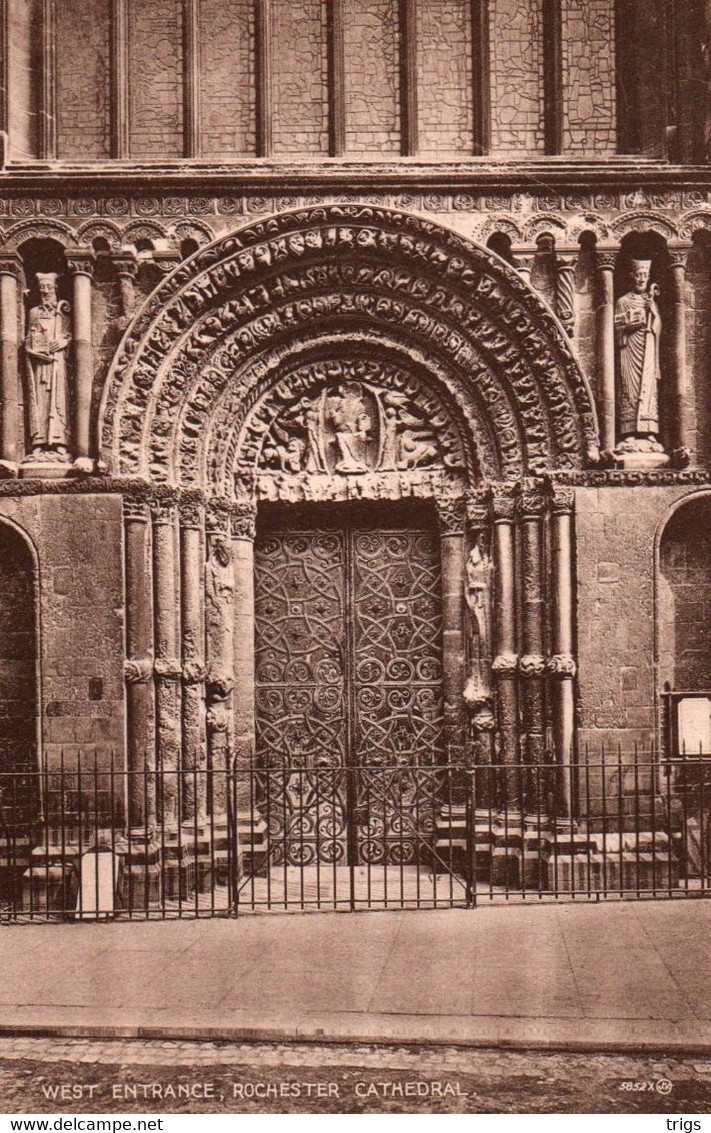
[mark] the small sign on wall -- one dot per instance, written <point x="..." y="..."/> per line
<point x="694" y="725"/>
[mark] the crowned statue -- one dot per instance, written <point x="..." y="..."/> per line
<point x="46" y="344"/>
<point x="638" y="327"/>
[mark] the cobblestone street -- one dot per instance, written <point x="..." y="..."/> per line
<point x="81" y="1076"/>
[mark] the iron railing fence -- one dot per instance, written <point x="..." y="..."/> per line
<point x="83" y="838"/>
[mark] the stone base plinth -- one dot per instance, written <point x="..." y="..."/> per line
<point x="44" y="470"/>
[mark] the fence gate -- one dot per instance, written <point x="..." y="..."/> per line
<point x="349" y="713"/>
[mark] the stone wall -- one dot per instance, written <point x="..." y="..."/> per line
<point x="516" y="76"/>
<point x="78" y="540"/>
<point x="83" y="79"/>
<point x="155" y="64"/>
<point x="227" y="77"/>
<point x="444" y="78"/>
<point x="615" y="547"/>
<point x="372" y="83"/>
<point x="589" y="76"/>
<point x="300" y="79"/>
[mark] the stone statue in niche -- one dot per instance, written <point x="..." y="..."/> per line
<point x="355" y="427"/>
<point x="479" y="570"/>
<point x="638" y="327"/>
<point x="46" y="345"/>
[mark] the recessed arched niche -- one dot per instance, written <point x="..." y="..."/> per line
<point x="18" y="653"/>
<point x="684" y="598"/>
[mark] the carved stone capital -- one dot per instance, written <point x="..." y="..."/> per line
<point x="505" y="665"/>
<point x="243" y="521"/>
<point x="135" y="510"/>
<point x="503" y="507"/>
<point x="163" y="510"/>
<point x="81" y="263"/>
<point x="478" y="510"/>
<point x="191" y="512"/>
<point x="137" y="670"/>
<point x="562" y="665"/>
<point x="532" y="665"/>
<point x="562" y="500"/>
<point x="452" y="515"/>
<point x="531" y="502"/>
<point x="167" y="668"/>
<point x="217" y="518"/>
<point x="606" y="258"/>
<point x="11" y="265"/>
<point x="125" y="266"/>
<point x="678" y="256"/>
<point x="193" y="672"/>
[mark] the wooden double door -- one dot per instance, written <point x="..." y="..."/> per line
<point x="348" y="668"/>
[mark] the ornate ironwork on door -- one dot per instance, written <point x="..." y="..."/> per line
<point x="348" y="676"/>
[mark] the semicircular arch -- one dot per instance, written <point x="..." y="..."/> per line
<point x="367" y="280"/>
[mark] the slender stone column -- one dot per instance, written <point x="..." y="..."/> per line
<point x="192" y="650"/>
<point x="505" y="664"/>
<point x="82" y="268"/>
<point x="565" y="297"/>
<point x="606" y="346"/>
<point x="525" y="258"/>
<point x="9" y="355"/>
<point x="243" y="520"/>
<point x="138" y="668"/>
<point x="452" y="521"/>
<point x="219" y="636"/>
<point x="126" y="269"/>
<point x="532" y="665"/>
<point x="167" y="666"/>
<point x="681" y="439"/>
<point x="561" y="665"/>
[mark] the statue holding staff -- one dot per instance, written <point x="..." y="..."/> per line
<point x="46" y="344"/>
<point x="638" y="328"/>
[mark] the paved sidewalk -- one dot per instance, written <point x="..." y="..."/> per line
<point x="619" y="976"/>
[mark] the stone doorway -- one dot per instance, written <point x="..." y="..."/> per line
<point x="348" y="674"/>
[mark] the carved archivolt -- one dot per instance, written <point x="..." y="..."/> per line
<point x="25" y="230"/>
<point x="250" y="304"/>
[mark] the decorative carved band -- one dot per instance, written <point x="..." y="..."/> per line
<point x="532" y="665"/>
<point x="484" y="721"/>
<point x="562" y="665"/>
<point x="137" y="670"/>
<point x="478" y="510"/>
<point x="505" y="665"/>
<point x="167" y="668"/>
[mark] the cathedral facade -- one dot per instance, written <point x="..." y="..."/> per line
<point x="355" y="403"/>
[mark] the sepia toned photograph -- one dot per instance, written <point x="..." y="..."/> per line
<point x="355" y="557"/>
